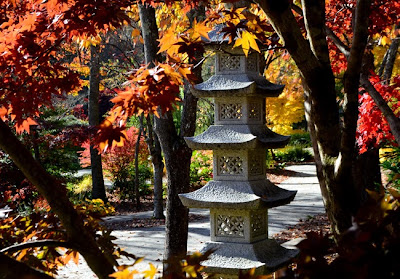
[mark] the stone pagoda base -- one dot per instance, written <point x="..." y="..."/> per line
<point x="266" y="256"/>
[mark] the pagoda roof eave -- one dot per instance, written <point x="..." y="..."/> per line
<point x="237" y="137"/>
<point x="238" y="85"/>
<point x="228" y="194"/>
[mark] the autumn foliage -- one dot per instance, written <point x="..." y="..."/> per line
<point x="117" y="161"/>
<point x="31" y="32"/>
<point x="373" y="129"/>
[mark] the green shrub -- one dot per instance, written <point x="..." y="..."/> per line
<point x="118" y="164"/>
<point x="80" y="188"/>
<point x="302" y="140"/>
<point x="125" y="182"/>
<point x="201" y="168"/>
<point x="295" y="154"/>
<point x="392" y="163"/>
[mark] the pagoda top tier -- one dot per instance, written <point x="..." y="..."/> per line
<point x="236" y="74"/>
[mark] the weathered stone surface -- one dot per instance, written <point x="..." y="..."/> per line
<point x="237" y="137"/>
<point x="238" y="195"/>
<point x="237" y="85"/>
<point x="238" y="225"/>
<point x="266" y="256"/>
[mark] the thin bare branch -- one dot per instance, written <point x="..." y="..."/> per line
<point x="339" y="44"/>
<point x="36" y="244"/>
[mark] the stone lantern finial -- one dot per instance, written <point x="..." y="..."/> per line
<point x="240" y="195"/>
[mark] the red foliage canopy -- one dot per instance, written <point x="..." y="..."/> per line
<point x="373" y="128"/>
<point x="31" y="32"/>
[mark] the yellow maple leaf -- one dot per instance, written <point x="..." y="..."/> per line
<point x="385" y="40"/>
<point x="200" y="29"/>
<point x="124" y="274"/>
<point x="247" y="41"/>
<point x="150" y="273"/>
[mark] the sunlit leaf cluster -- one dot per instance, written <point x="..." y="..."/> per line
<point x="373" y="129"/>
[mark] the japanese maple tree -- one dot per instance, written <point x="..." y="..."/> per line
<point x="32" y="31"/>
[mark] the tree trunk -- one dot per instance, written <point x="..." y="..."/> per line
<point x="390" y="59"/>
<point x="177" y="160"/>
<point x="98" y="191"/>
<point x="158" y="168"/>
<point x="150" y="37"/>
<point x="367" y="171"/>
<point x="333" y="138"/>
<point x="13" y="269"/>
<point x="137" y="192"/>
<point x="56" y="195"/>
<point x="154" y="147"/>
<point x="176" y="153"/>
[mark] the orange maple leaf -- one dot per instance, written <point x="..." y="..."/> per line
<point x="24" y="126"/>
<point x="200" y="29"/>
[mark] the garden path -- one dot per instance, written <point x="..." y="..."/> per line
<point x="149" y="242"/>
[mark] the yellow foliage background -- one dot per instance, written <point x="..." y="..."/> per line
<point x="288" y="108"/>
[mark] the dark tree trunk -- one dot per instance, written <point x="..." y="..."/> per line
<point x="177" y="160"/>
<point x="158" y="167"/>
<point x="176" y="153"/>
<point x="98" y="191"/>
<point x="150" y="37"/>
<point x="13" y="269"/>
<point x="98" y="259"/>
<point x="390" y="59"/>
<point x="333" y="138"/>
<point x="367" y="171"/>
<point x="137" y="146"/>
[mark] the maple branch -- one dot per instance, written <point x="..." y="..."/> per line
<point x="56" y="196"/>
<point x="11" y="268"/>
<point x="297" y="9"/>
<point x="202" y="60"/>
<point x="351" y="85"/>
<point x="127" y="58"/>
<point x="312" y="69"/>
<point x="338" y="43"/>
<point x="314" y="20"/>
<point x="390" y="59"/>
<point x="393" y="121"/>
<point x="38" y="243"/>
<point x="329" y="33"/>
<point x="284" y="23"/>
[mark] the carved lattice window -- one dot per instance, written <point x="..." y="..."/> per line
<point x="230" y="165"/>
<point x="257" y="224"/>
<point x="252" y="63"/>
<point x="255" y="111"/>
<point x="230" y="111"/>
<point x="229" y="63"/>
<point x="255" y="163"/>
<point x="230" y="226"/>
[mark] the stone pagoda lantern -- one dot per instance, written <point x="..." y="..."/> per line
<point x="240" y="195"/>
